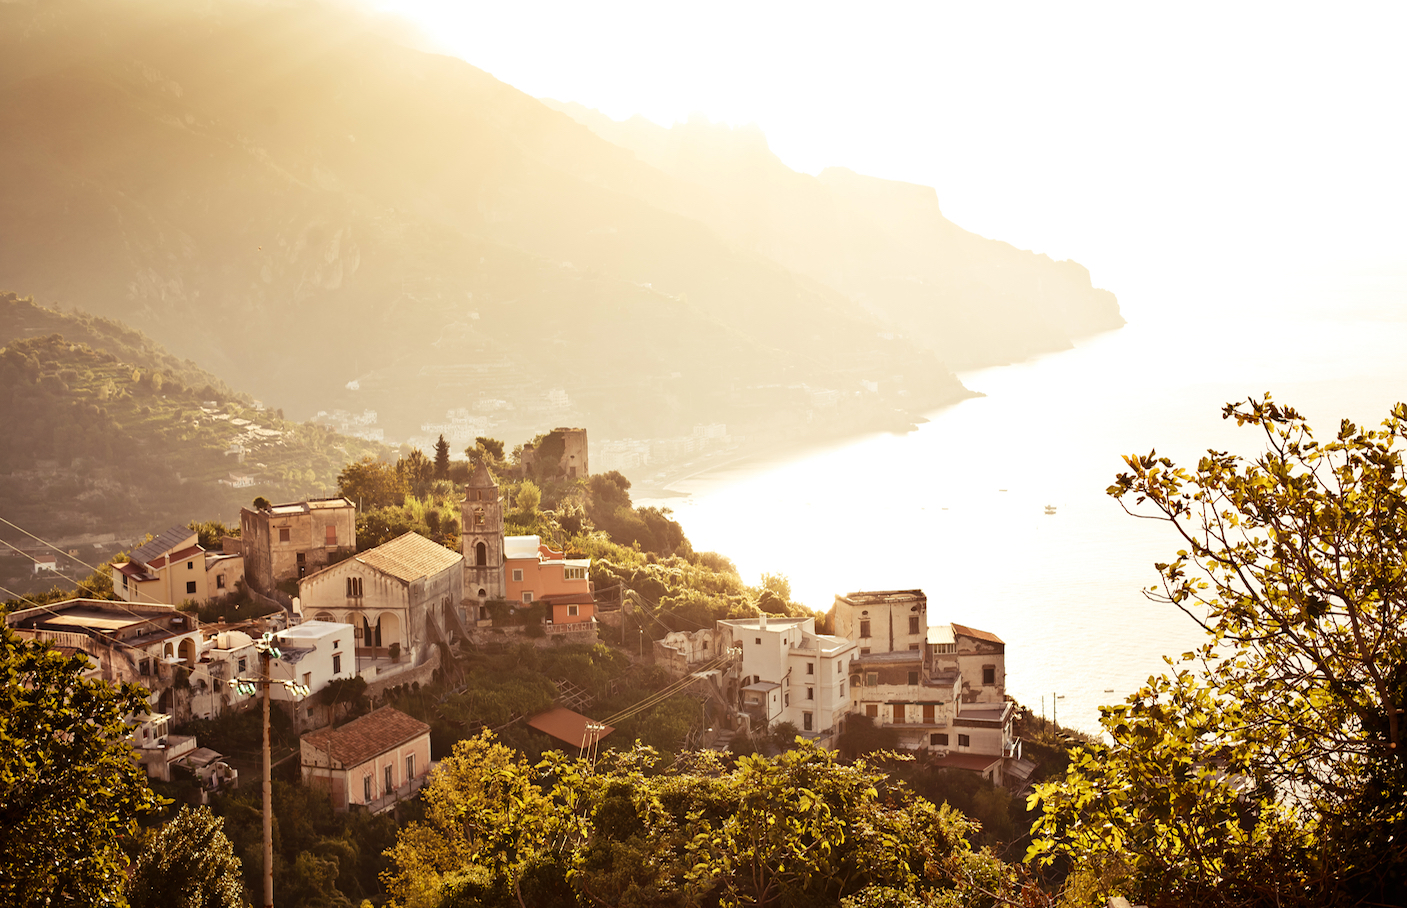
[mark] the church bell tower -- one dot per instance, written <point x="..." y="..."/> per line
<point x="481" y="541"/>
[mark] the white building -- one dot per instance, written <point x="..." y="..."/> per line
<point x="315" y="654"/>
<point x="790" y="673"/>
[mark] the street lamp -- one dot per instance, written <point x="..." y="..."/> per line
<point x="268" y="649"/>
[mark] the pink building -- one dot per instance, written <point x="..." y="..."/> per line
<point x="371" y="762"/>
<point x="535" y="573"/>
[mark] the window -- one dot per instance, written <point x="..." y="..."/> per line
<point x="989" y="675"/>
<point x="302" y="558"/>
<point x="807" y="723"/>
<point x="928" y="716"/>
<point x="527" y="596"/>
<point x="810" y="668"/>
<point x="871" y="679"/>
<point x="913" y="647"/>
<point x="336" y="643"/>
<point x="757" y="640"/>
<point x="478" y="517"/>
<point x="786" y="698"/>
<point x="872" y="710"/>
<point x="572" y="611"/>
<point x="842" y="689"/>
<point x="190" y="565"/>
<point x="145" y="666"/>
<point x="366" y="788"/>
<point x="307" y="679"/>
<point x="354" y="587"/>
<point x="190" y="586"/>
<point x="219" y="581"/>
<point x="241" y="667"/>
<point x="390" y="783"/>
<point x="330" y="535"/>
<point x="517" y="575"/>
<point x="913" y="624"/>
<point x="913" y="677"/>
<point x="336" y="663"/>
<point x="864" y="650"/>
<point x="810" y="693"/>
<point x="938" y="739"/>
<point x="898" y="714"/>
<point x="575" y="573"/>
<point x="481" y="556"/>
<point x="945" y="648"/>
<point x="409" y="767"/>
<point x="283" y="534"/>
<point x="864" y="627"/>
<point x="839" y="668"/>
<point x="964" y="741"/>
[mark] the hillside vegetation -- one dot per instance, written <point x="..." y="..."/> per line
<point x="107" y="432"/>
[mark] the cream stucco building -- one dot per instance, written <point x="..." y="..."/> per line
<point x="403" y="595"/>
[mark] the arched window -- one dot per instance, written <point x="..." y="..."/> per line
<point x="483" y="592"/>
<point x="481" y="557"/>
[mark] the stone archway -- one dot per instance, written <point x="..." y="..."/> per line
<point x="388" y="630"/>
<point x="187" y="652"/>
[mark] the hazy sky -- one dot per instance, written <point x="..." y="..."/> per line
<point x="1180" y="146"/>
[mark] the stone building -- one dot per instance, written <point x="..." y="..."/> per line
<point x="941" y="689"/>
<point x="481" y="542"/>
<point x="403" y="595"/>
<point x="291" y="541"/>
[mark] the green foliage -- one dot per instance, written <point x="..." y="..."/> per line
<point x="441" y="458"/>
<point x="69" y="788"/>
<point x="528" y="497"/>
<point x="799" y="829"/>
<point x="434" y="516"/>
<point x="1268" y="768"/>
<point x="187" y="863"/>
<point x="211" y="533"/>
<point x="321" y="858"/>
<point x="372" y="484"/>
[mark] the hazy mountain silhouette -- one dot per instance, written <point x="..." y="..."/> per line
<point x="295" y="201"/>
<point x="886" y="244"/>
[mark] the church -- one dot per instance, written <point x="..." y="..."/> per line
<point x="518" y="569"/>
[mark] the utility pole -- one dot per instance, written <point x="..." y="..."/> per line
<point x="265" y="656"/>
<point x="268" y="651"/>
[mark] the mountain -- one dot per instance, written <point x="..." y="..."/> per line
<point x="883" y="243"/>
<point x="329" y="219"/>
<point x="107" y="433"/>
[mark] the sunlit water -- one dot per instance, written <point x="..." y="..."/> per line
<point x="957" y="508"/>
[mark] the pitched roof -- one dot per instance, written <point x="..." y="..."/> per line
<point x="409" y="557"/>
<point x="567" y="726"/>
<point x="481" y="478"/>
<point x="976" y="634"/>
<point x="362" y="739"/>
<point x="162" y="544"/>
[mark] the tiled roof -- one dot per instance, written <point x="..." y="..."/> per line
<point x="979" y="635"/>
<point x="481" y="479"/>
<point x="162" y="544"/>
<point x="409" y="557"/>
<point x="362" y="739"/>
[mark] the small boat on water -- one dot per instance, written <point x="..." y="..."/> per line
<point x="1050" y="509"/>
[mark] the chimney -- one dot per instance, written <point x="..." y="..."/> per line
<point x="762" y="621"/>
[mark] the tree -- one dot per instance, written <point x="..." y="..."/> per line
<point x="187" y="863"/>
<point x="799" y="829"/>
<point x="1269" y="767"/>
<point x="417" y="471"/>
<point x="441" y="458"/>
<point x="210" y="533"/>
<point x="529" y="497"/>
<point x="69" y="788"/>
<point x="372" y="484"/>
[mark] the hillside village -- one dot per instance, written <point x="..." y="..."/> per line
<point x="398" y="615"/>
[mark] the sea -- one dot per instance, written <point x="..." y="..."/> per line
<point x="961" y="506"/>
